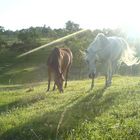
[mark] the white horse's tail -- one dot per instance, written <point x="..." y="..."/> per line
<point x="129" y="55"/>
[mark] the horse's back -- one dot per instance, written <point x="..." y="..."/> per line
<point x="67" y="54"/>
<point x="67" y="58"/>
<point x="117" y="45"/>
<point x="68" y="51"/>
<point x="60" y="58"/>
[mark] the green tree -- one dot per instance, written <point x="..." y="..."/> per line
<point x="2" y="29"/>
<point x="28" y="36"/>
<point x="3" y="43"/>
<point x="72" y="27"/>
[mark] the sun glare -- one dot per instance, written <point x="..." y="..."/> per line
<point x="89" y="14"/>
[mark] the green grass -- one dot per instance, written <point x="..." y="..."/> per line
<point x="27" y="112"/>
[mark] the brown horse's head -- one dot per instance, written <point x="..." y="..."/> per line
<point x="59" y="78"/>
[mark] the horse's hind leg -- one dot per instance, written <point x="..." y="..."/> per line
<point x="49" y="81"/>
<point x="108" y="77"/>
<point x="54" y="86"/>
<point x="67" y="71"/>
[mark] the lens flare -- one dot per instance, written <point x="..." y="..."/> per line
<point x="54" y="42"/>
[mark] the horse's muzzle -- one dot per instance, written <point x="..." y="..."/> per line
<point x="91" y="75"/>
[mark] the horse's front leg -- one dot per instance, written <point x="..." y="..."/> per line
<point x="49" y="79"/>
<point x="92" y="83"/>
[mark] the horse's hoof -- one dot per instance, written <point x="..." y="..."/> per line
<point x="47" y="90"/>
<point x="61" y="91"/>
<point x="107" y="85"/>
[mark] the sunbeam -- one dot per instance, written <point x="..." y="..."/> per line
<point x="53" y="42"/>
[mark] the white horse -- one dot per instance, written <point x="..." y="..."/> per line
<point x="108" y="51"/>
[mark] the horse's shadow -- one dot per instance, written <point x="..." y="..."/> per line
<point x="101" y="90"/>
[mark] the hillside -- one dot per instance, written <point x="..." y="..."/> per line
<point x="32" y="67"/>
<point x="29" y="113"/>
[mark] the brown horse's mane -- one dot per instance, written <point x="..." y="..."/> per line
<point x="54" y="60"/>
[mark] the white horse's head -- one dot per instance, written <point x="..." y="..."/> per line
<point x="92" y="56"/>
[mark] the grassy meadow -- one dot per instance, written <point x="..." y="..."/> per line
<point x="28" y="112"/>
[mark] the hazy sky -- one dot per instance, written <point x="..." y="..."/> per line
<point x="18" y="14"/>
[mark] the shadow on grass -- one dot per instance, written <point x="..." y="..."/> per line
<point x="23" y="102"/>
<point x="25" y="77"/>
<point x="24" y="86"/>
<point x="11" y="87"/>
<point x="45" y="127"/>
<point x="27" y="73"/>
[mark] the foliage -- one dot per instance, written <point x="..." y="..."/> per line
<point x="3" y="43"/>
<point x="2" y="29"/>
<point x="28" y="36"/>
<point x="72" y="27"/>
<point x="27" y="39"/>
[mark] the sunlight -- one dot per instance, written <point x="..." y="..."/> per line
<point x="117" y="14"/>
<point x="60" y="40"/>
<point x="89" y="14"/>
<point x="133" y="32"/>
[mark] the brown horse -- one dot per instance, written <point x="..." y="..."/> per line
<point x="59" y="63"/>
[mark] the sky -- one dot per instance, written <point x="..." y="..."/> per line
<point x="89" y="14"/>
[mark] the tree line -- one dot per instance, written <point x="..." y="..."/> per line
<point x="26" y="39"/>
